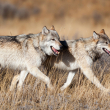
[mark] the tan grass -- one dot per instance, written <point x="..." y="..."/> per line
<point x="81" y="94"/>
<point x="76" y="22"/>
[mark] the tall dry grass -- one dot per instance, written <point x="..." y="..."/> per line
<point x="80" y="95"/>
<point x="72" y="19"/>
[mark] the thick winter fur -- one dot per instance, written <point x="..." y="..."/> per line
<point x="27" y="52"/>
<point x="81" y="54"/>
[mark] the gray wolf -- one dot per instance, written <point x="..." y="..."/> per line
<point x="27" y="52"/>
<point x="81" y="54"/>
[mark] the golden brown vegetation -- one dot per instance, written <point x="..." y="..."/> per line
<point x="72" y="19"/>
<point x="80" y="95"/>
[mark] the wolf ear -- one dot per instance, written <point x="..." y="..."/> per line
<point x="52" y="28"/>
<point x="45" y="31"/>
<point x="95" y="35"/>
<point x="102" y="31"/>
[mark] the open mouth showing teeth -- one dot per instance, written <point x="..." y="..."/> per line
<point x="108" y="52"/>
<point x="56" y="52"/>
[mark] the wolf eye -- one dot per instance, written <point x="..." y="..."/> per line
<point x="106" y="42"/>
<point x="53" y="39"/>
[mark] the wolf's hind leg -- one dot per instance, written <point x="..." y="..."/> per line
<point x="69" y="80"/>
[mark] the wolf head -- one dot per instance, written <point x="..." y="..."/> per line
<point x="103" y="42"/>
<point x="50" y="41"/>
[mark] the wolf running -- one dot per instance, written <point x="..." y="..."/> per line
<point x="81" y="54"/>
<point x="28" y="52"/>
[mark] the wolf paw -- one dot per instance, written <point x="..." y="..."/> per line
<point x="106" y="92"/>
<point x="62" y="88"/>
<point x="51" y="88"/>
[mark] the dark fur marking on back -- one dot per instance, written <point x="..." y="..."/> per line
<point x="9" y="39"/>
<point x="16" y="39"/>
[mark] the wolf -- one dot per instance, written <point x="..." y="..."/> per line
<point x="80" y="54"/>
<point x="27" y="52"/>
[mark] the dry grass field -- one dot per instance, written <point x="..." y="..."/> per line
<point x="80" y="95"/>
<point x="72" y="19"/>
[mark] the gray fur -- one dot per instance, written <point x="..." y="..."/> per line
<point x="27" y="53"/>
<point x="80" y="54"/>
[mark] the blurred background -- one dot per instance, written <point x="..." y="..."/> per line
<point x="71" y="18"/>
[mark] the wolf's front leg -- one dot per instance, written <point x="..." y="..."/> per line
<point x="22" y="77"/>
<point x="69" y="80"/>
<point x="89" y="74"/>
<point x="18" y="78"/>
<point x="38" y="74"/>
<point x="87" y="71"/>
<point x="14" y="82"/>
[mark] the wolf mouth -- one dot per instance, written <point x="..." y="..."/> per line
<point x="108" y="52"/>
<point x="56" y="52"/>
